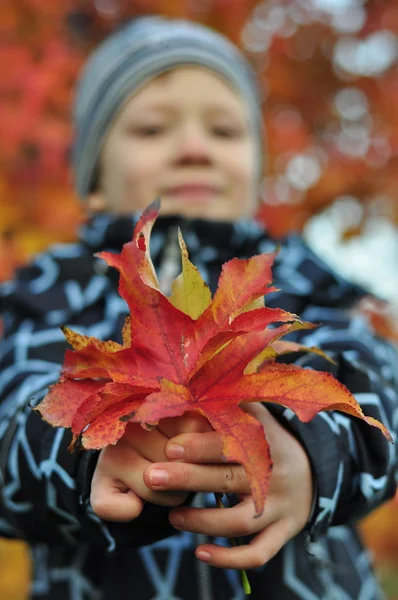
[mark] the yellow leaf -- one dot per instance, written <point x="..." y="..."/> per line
<point x="190" y="294"/>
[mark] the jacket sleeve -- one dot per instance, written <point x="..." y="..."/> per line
<point x="43" y="487"/>
<point x="354" y="466"/>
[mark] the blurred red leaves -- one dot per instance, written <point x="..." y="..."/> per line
<point x="293" y="49"/>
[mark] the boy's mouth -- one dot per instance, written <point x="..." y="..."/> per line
<point x="193" y="192"/>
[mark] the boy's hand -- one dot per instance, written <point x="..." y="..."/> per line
<point x="287" y="506"/>
<point x="118" y="490"/>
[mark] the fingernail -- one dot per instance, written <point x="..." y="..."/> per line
<point x="177" y="521"/>
<point x="203" y="555"/>
<point x="158" y="477"/>
<point x="175" y="451"/>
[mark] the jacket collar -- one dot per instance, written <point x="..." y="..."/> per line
<point x="211" y="239"/>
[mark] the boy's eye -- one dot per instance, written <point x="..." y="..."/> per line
<point x="148" y="130"/>
<point x="227" y="131"/>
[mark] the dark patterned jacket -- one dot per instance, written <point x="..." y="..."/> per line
<point x="44" y="489"/>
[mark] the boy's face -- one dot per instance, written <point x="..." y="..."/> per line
<point x="183" y="137"/>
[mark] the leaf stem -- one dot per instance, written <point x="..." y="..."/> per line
<point x="235" y="542"/>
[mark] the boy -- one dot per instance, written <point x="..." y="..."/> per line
<point x="170" y="109"/>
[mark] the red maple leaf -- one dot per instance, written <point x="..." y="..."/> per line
<point x="191" y="352"/>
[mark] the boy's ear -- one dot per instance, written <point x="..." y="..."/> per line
<point x="96" y="202"/>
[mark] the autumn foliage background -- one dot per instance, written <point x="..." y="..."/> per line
<point x="330" y="87"/>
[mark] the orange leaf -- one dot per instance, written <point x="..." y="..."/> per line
<point x="304" y="391"/>
<point x="284" y="347"/>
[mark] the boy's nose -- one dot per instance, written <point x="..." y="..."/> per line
<point x="193" y="148"/>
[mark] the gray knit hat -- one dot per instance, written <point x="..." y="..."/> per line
<point x="132" y="56"/>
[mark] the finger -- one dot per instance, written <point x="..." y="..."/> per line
<point x="114" y="502"/>
<point x="202" y="446"/>
<point x="196" y="448"/>
<point x="124" y="464"/>
<point x="149" y="444"/>
<point x="238" y="521"/>
<point x="227" y="478"/>
<point x="249" y="556"/>
<point x="191" y="422"/>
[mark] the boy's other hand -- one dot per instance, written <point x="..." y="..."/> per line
<point x="201" y="468"/>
